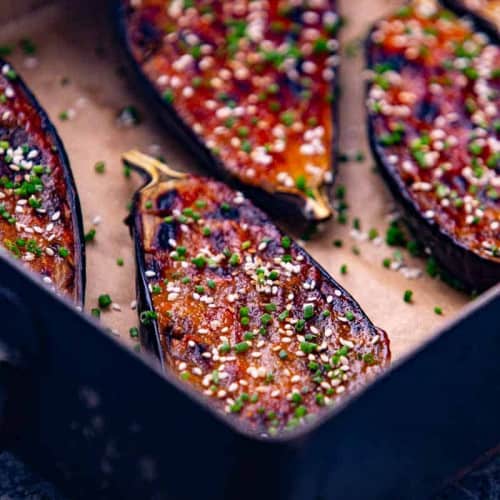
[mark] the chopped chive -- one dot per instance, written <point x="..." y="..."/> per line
<point x="308" y="347"/>
<point x="63" y="252"/>
<point x="300" y="411"/>
<point x="282" y="316"/>
<point x="274" y="275"/>
<point x="369" y="359"/>
<point x="299" y="326"/>
<point x="90" y="235"/>
<point x="308" y="311"/>
<point x="104" y="301"/>
<point x="242" y="347"/>
<point x="286" y="242"/>
<point x="225" y="348"/>
<point x="100" y="167"/>
<point x="199" y="261"/>
<point x="266" y="319"/>
<point x="146" y="317"/>
<point x="234" y="260"/>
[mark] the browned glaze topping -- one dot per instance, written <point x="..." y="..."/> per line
<point x="253" y="79"/>
<point x="35" y="218"/>
<point x="434" y="103"/>
<point x="244" y="315"/>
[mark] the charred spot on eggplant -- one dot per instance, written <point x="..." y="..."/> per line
<point x="250" y="87"/>
<point x="167" y="232"/>
<point x="40" y="219"/>
<point x="434" y="126"/>
<point x="242" y="313"/>
<point x="165" y="202"/>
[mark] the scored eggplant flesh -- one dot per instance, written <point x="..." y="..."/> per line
<point x="238" y="310"/>
<point x="40" y="219"/>
<point x="434" y="123"/>
<point x="253" y="82"/>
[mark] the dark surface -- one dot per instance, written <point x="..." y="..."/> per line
<point x="18" y="482"/>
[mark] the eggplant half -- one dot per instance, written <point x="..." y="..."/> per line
<point x="485" y="12"/>
<point x="40" y="217"/>
<point x="433" y="104"/>
<point x="238" y="310"/>
<point x="249" y="87"/>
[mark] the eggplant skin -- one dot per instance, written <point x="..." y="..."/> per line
<point x="239" y="311"/>
<point x="486" y="13"/>
<point x="441" y="166"/>
<point x="41" y="223"/>
<point x="297" y="192"/>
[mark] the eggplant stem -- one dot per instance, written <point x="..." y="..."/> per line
<point x="150" y="167"/>
<point x="318" y="206"/>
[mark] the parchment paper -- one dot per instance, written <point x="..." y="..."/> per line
<point x="75" y="44"/>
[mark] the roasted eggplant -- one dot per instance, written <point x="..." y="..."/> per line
<point x="434" y="123"/>
<point x="40" y="218"/>
<point x="485" y="12"/>
<point x="249" y="86"/>
<point x="238" y="310"/>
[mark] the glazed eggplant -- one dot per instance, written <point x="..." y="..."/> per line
<point x="485" y="12"/>
<point x="238" y="310"/>
<point x="434" y="123"/>
<point x="249" y="86"/>
<point x="40" y="218"/>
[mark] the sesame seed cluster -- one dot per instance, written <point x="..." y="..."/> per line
<point x="433" y="100"/>
<point x="244" y="314"/>
<point x="35" y="219"/>
<point x="252" y="79"/>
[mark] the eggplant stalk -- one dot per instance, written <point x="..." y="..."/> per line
<point x="150" y="167"/>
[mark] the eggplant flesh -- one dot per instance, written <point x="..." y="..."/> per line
<point x="239" y="311"/>
<point x="40" y="217"/>
<point x="434" y="126"/>
<point x="251" y="91"/>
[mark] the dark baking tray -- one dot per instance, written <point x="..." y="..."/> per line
<point x="101" y="422"/>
